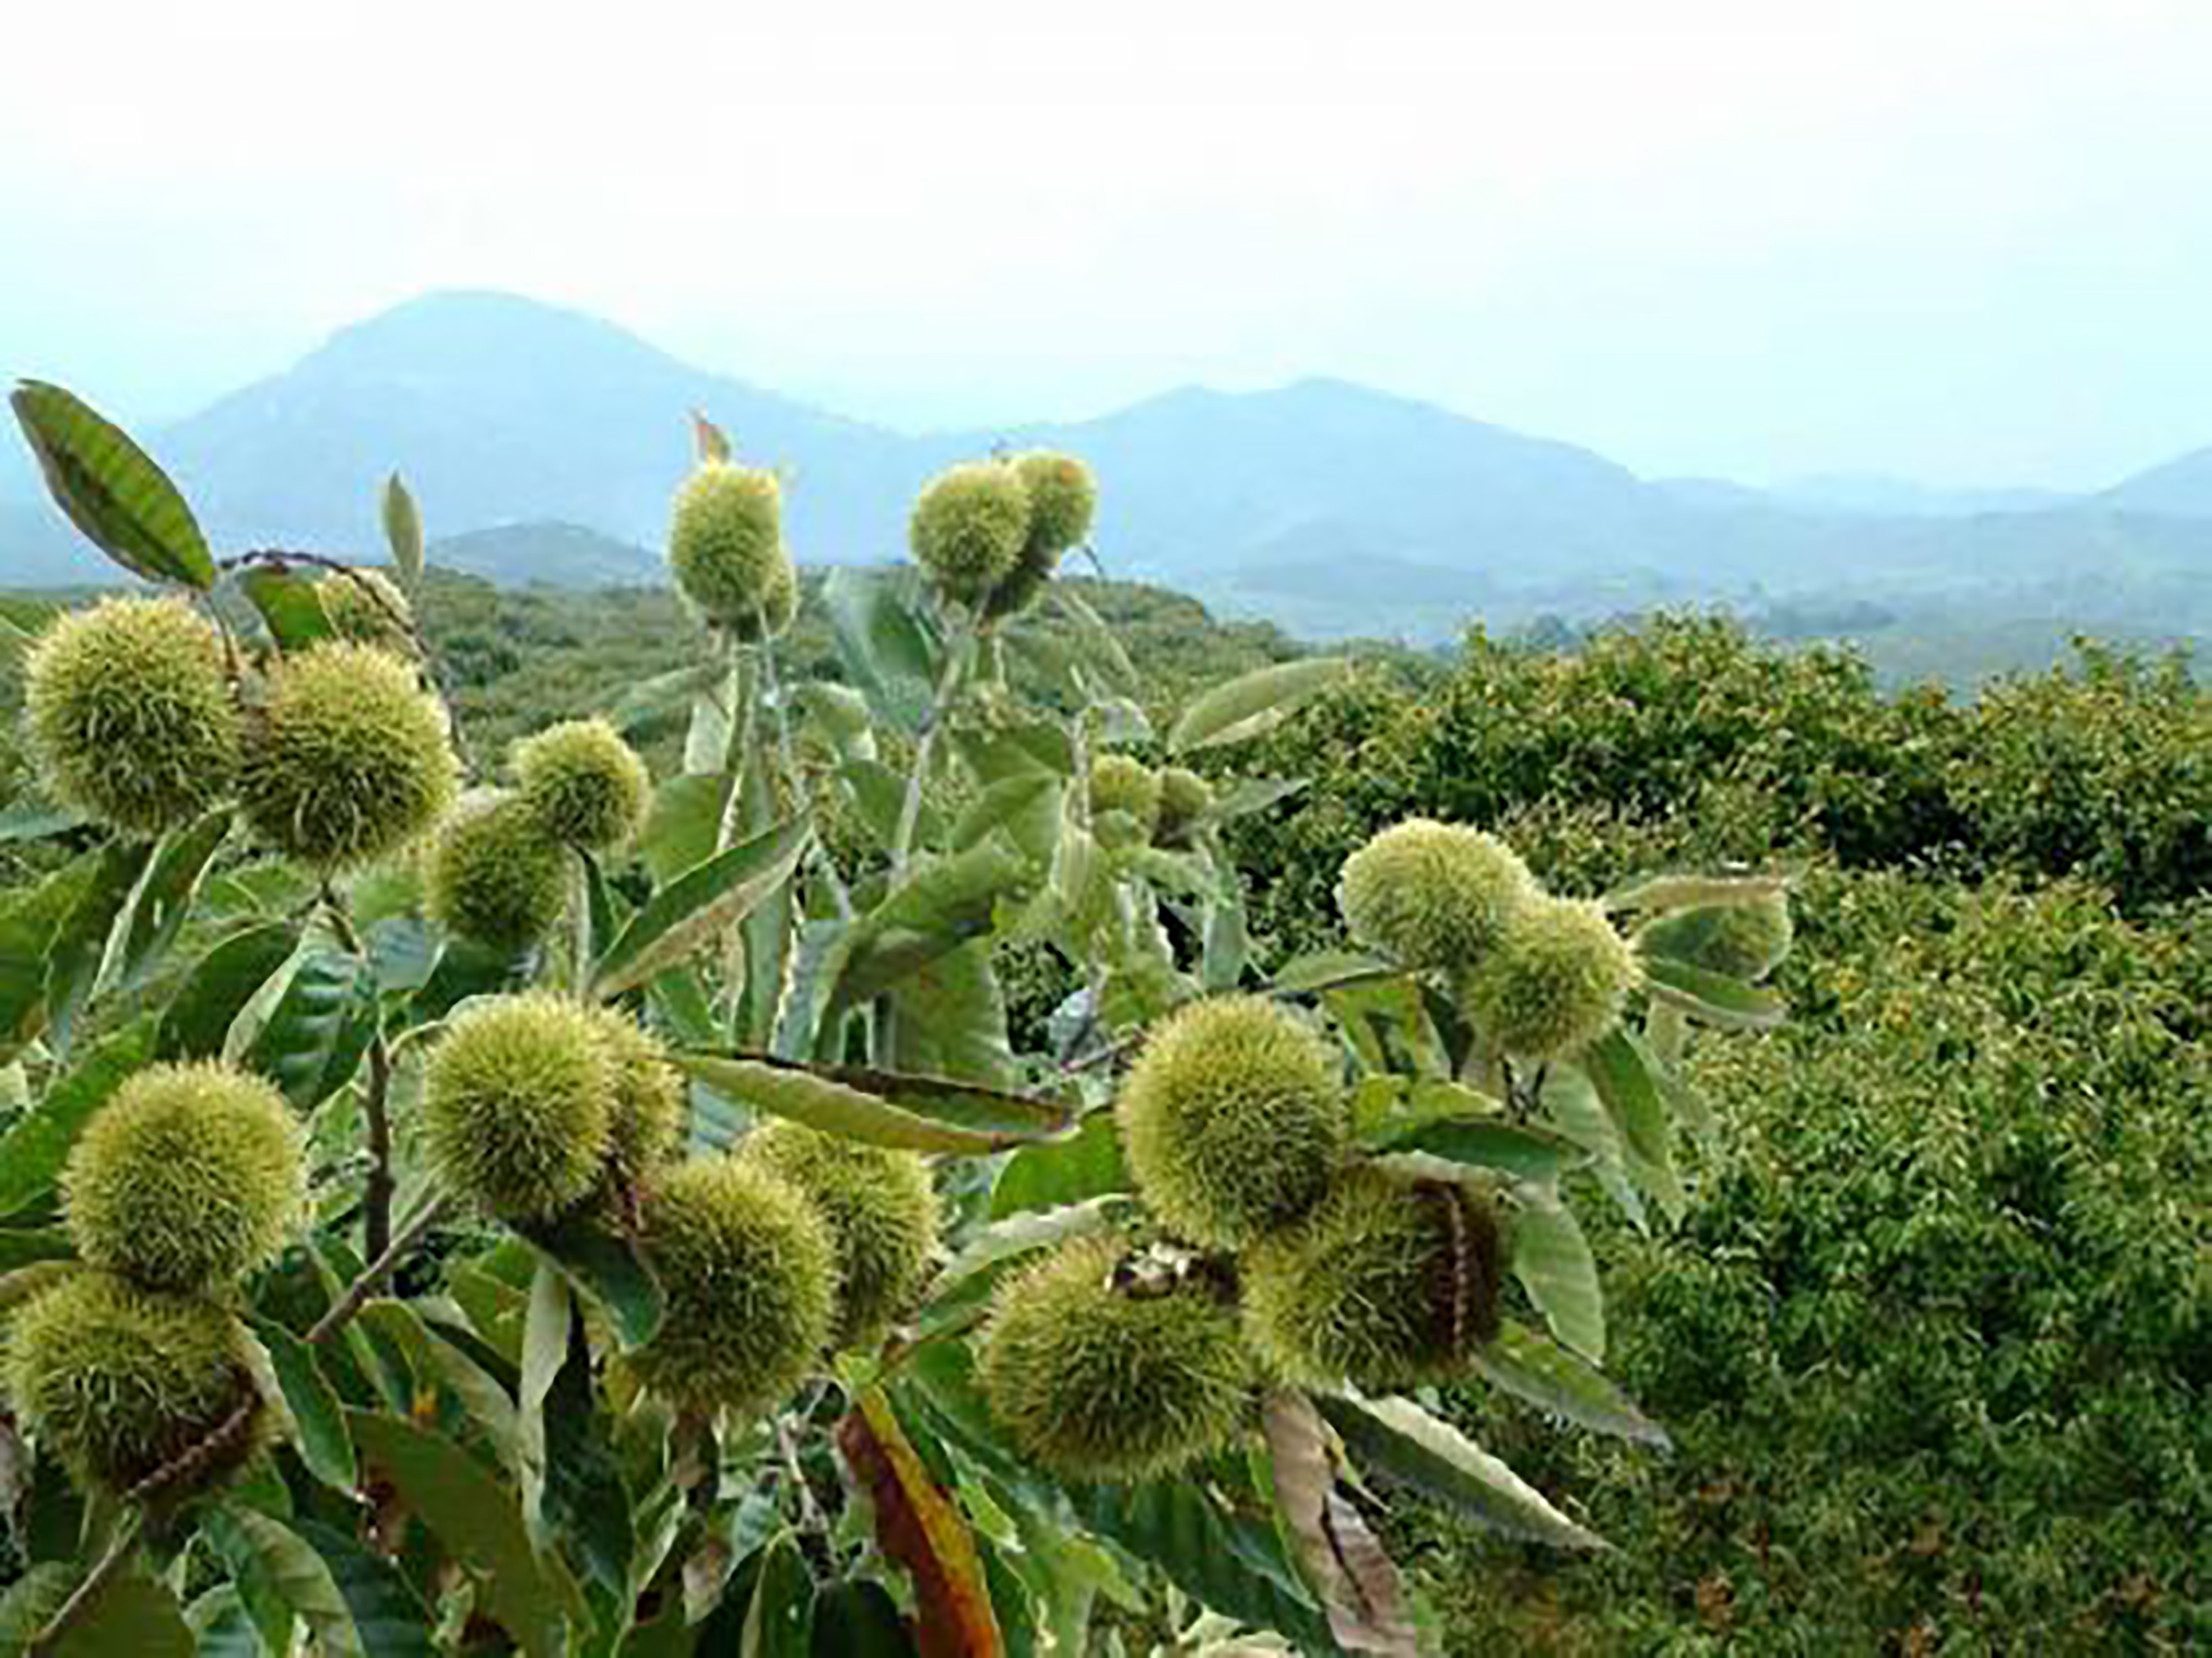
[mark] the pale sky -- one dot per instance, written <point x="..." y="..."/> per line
<point x="1969" y="240"/>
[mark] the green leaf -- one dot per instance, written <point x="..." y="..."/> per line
<point x="314" y="1036"/>
<point x="289" y="603"/>
<point x="1087" y="1164"/>
<point x="217" y="989"/>
<point x="699" y="905"/>
<point x="37" y="1145"/>
<point x="1100" y="645"/>
<point x="324" y="1445"/>
<point x="165" y="899"/>
<point x="779" y="1620"/>
<point x="29" y="919"/>
<point x="680" y="829"/>
<point x="882" y="1108"/>
<point x="110" y="488"/>
<point x="256" y="1543"/>
<point x="1619" y="1069"/>
<point x="29" y="1603"/>
<point x="1228" y="1561"/>
<point x="1664" y="892"/>
<point x="476" y="1520"/>
<point x="1027" y="808"/>
<point x="605" y="1264"/>
<point x="1249" y="795"/>
<point x="388" y="1616"/>
<point x="403" y="533"/>
<point x="840" y="714"/>
<point x="220" y="1626"/>
<point x="1713" y="998"/>
<point x="1397" y="1437"/>
<point x="942" y="903"/>
<point x="1571" y="1104"/>
<point x="886" y="648"/>
<point x="1254" y="703"/>
<point x="1552" y="1260"/>
<point x="1032" y="1230"/>
<point x="132" y="1614"/>
<point x="1387" y="1022"/>
<point x="950" y="1020"/>
<point x="584" y="1502"/>
<point x="442" y="1356"/>
<point x="662" y="697"/>
<point x="1532" y="1367"/>
<point x="1329" y="969"/>
<point x="79" y="951"/>
<point x="1476" y="1140"/>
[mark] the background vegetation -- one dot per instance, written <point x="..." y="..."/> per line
<point x="1932" y="1341"/>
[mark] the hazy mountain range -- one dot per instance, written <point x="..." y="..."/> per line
<point x="545" y="445"/>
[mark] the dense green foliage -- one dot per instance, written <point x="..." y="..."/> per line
<point x="1935" y="1336"/>
<point x="1924" y="1306"/>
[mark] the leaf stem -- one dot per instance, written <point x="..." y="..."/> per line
<point x="83" y="1598"/>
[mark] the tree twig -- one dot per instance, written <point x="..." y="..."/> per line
<point x="375" y="1273"/>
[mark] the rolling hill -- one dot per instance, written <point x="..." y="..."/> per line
<point x="1331" y="507"/>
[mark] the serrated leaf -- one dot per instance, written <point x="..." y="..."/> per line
<point x="882" y="1108"/>
<point x="403" y="533"/>
<point x="313" y="1041"/>
<point x="165" y="898"/>
<point x="698" y="907"/>
<point x="38" y="1145"/>
<point x="948" y="1019"/>
<point x="918" y="1527"/>
<point x="1100" y="646"/>
<point x="1355" y="1580"/>
<point x="1397" y="1437"/>
<point x="1553" y="1262"/>
<point x="476" y="1520"/>
<point x="840" y="714"/>
<point x="437" y="1357"/>
<point x="1713" y="999"/>
<point x="323" y="1443"/>
<point x="1254" y="703"/>
<point x="1532" y="1366"/>
<point x="110" y="488"/>
<point x="218" y="988"/>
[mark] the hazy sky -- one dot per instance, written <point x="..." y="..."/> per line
<point x="1970" y="240"/>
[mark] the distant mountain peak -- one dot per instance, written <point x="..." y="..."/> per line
<point x="481" y="329"/>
